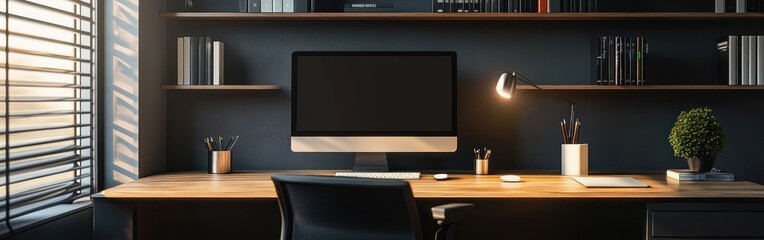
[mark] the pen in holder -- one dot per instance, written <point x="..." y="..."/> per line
<point x="481" y="161"/>
<point x="219" y="162"/>
<point x="219" y="155"/>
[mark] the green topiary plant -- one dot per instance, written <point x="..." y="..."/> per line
<point x="697" y="133"/>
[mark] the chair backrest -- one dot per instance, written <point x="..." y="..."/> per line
<point x="336" y="208"/>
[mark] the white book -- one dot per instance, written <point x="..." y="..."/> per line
<point x="740" y="5"/>
<point x="760" y="60"/>
<point x="734" y="60"/>
<point x="187" y="60"/>
<point x="278" y="5"/>
<point x="744" y="60"/>
<point x="179" y="61"/>
<point x="217" y="63"/>
<point x="288" y="6"/>
<point x="752" y="40"/>
<point x="686" y="175"/>
<point x="719" y="6"/>
<point x="266" y="6"/>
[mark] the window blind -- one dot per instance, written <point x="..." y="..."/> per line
<point x="48" y="106"/>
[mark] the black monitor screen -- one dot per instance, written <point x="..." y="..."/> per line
<point x="374" y="93"/>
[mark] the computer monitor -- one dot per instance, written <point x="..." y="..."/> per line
<point x="372" y="103"/>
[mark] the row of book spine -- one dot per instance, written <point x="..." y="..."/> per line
<point x="741" y="60"/>
<point x="278" y="6"/>
<point x="514" y="6"/>
<point x="621" y="60"/>
<point x="737" y="6"/>
<point x="200" y="61"/>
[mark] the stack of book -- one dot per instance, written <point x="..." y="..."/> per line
<point x="686" y="175"/>
<point x="621" y="60"/>
<point x="737" y="6"/>
<point x="200" y="61"/>
<point x="515" y="6"/>
<point x="741" y="60"/>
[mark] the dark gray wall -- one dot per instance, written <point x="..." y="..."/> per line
<point x="151" y="97"/>
<point x="626" y="131"/>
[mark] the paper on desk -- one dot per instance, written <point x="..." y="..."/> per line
<point x="610" y="182"/>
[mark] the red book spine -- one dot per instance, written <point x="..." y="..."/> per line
<point x="543" y="8"/>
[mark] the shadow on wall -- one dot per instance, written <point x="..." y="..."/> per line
<point x="122" y="129"/>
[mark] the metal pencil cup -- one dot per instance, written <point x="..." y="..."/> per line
<point x="219" y="161"/>
<point x="481" y="166"/>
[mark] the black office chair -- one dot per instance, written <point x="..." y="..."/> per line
<point x="337" y="208"/>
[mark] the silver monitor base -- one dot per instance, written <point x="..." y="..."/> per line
<point x="370" y="162"/>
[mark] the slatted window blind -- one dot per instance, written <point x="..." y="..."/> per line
<point x="47" y="104"/>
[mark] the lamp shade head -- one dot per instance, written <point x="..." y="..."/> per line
<point x="506" y="85"/>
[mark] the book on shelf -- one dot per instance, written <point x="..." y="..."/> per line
<point x="179" y="61"/>
<point x="741" y="60"/>
<point x="199" y="61"/>
<point x="368" y="7"/>
<point x="620" y="60"/>
<point x="687" y="175"/>
<point x="218" y="65"/>
<point x="513" y="6"/>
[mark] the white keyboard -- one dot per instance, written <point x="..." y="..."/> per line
<point x="380" y="175"/>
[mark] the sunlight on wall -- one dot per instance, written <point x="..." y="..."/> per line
<point x="122" y="91"/>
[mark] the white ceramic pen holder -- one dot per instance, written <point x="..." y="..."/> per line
<point x="575" y="159"/>
<point x="219" y="162"/>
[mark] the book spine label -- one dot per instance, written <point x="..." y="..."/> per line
<point x="180" y="60"/>
<point x="734" y="57"/>
<point x="253" y="6"/>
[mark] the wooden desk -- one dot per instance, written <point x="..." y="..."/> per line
<point x="537" y="196"/>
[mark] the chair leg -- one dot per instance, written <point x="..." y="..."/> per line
<point x="448" y="232"/>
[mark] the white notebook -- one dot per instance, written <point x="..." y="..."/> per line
<point x="610" y="182"/>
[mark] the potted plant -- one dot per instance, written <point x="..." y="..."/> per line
<point x="697" y="136"/>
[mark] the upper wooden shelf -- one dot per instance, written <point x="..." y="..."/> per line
<point x="642" y="87"/>
<point x="220" y="87"/>
<point x="400" y="16"/>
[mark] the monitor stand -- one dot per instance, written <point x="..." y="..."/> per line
<point x="370" y="162"/>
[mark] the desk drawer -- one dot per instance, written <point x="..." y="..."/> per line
<point x="705" y="221"/>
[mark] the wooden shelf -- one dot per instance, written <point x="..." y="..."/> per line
<point x="220" y="87"/>
<point x="644" y="87"/>
<point x="459" y="16"/>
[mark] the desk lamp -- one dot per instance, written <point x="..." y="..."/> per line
<point x="506" y="88"/>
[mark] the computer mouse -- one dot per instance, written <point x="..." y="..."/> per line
<point x="440" y="176"/>
<point x="510" y="178"/>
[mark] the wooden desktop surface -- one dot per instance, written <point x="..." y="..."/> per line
<point x="258" y="185"/>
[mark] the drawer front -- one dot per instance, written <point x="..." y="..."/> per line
<point x="708" y="220"/>
<point x="715" y="224"/>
